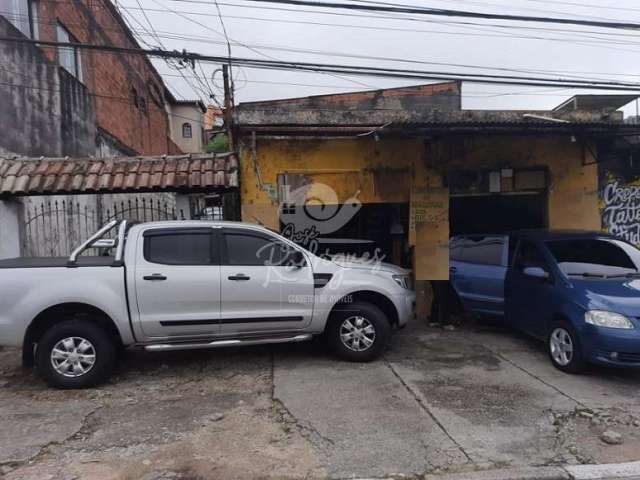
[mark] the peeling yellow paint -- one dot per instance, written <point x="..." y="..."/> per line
<point x="385" y="171"/>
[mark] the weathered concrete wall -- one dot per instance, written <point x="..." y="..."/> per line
<point x="10" y="221"/>
<point x="78" y="117"/>
<point x="372" y="107"/>
<point x="30" y="112"/>
<point x="127" y="89"/>
<point x="386" y="172"/>
<point x="45" y="111"/>
<point x="374" y="172"/>
<point x="573" y="186"/>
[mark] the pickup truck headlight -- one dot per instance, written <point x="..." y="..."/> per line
<point x="602" y="318"/>
<point x="405" y="281"/>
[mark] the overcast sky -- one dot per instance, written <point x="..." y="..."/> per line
<point x="260" y="30"/>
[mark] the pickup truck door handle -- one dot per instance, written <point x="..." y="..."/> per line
<point x="155" y="276"/>
<point x="239" y="277"/>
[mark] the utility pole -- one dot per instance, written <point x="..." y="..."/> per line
<point x="228" y="106"/>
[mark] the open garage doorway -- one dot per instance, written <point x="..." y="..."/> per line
<point x="497" y="201"/>
<point x="496" y="213"/>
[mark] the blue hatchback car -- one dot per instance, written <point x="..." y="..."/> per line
<point x="577" y="291"/>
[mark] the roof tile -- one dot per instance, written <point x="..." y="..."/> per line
<point x="24" y="176"/>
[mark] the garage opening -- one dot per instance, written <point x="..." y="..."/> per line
<point x="370" y="231"/>
<point x="497" y="201"/>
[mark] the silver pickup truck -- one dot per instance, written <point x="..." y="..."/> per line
<point x="191" y="285"/>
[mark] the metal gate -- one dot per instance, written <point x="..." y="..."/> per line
<point x="54" y="228"/>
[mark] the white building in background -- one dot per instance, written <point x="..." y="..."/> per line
<point x="186" y="123"/>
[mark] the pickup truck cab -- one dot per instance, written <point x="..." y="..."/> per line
<point x="577" y="291"/>
<point x="191" y="285"/>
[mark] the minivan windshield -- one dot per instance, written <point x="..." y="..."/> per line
<point x="596" y="257"/>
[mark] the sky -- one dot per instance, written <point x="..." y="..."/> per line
<point x="276" y="31"/>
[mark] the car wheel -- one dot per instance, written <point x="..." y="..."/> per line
<point x="564" y="348"/>
<point x="358" y="332"/>
<point x="75" y="354"/>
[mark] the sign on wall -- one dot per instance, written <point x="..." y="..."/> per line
<point x="620" y="208"/>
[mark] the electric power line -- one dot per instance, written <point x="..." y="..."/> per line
<point x="457" y="13"/>
<point x="347" y="69"/>
<point x="203" y="39"/>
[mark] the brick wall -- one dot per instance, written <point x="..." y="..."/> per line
<point x="112" y="78"/>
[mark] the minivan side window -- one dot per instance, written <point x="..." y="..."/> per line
<point x="483" y="250"/>
<point x="529" y="255"/>
<point x="254" y="249"/>
<point x="179" y="247"/>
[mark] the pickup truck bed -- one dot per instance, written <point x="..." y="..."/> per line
<point x="52" y="262"/>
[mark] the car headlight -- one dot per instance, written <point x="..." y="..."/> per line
<point x="405" y="281"/>
<point x="601" y="318"/>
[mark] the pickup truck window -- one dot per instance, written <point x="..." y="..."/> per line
<point x="193" y="247"/>
<point x="251" y="249"/>
<point x="483" y="250"/>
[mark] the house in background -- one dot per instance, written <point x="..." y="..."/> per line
<point x="395" y="172"/>
<point x="70" y="102"/>
<point x="67" y="101"/>
<point x="186" y="123"/>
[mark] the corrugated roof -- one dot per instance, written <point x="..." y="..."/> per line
<point x="33" y="176"/>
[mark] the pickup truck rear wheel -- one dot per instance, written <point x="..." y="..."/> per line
<point x="75" y="354"/>
<point x="358" y="332"/>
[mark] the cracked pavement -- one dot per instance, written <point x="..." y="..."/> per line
<point x="480" y="397"/>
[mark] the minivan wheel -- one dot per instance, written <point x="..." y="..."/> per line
<point x="75" y="354"/>
<point x="564" y="348"/>
<point x="358" y="332"/>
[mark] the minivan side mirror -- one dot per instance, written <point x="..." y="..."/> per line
<point x="536" y="272"/>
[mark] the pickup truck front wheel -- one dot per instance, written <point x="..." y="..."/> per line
<point x="75" y="354"/>
<point x="358" y="332"/>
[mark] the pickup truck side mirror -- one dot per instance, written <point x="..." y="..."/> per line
<point x="536" y="272"/>
<point x="297" y="259"/>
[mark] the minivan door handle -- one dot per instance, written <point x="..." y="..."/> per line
<point x="154" y="277"/>
<point x="239" y="277"/>
<point x="453" y="269"/>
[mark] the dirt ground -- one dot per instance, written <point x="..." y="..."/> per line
<point x="480" y="397"/>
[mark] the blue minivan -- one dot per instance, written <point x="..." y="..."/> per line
<point x="577" y="291"/>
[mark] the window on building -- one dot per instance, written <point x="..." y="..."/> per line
<point x="69" y="57"/>
<point x="22" y="14"/>
<point x="186" y="130"/>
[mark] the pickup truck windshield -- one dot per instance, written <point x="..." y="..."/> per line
<point x="595" y="257"/>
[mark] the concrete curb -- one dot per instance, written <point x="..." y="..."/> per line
<point x="610" y="471"/>
<point x="604" y="471"/>
<point x="533" y="473"/>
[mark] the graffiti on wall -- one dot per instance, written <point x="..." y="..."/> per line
<point x="620" y="204"/>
